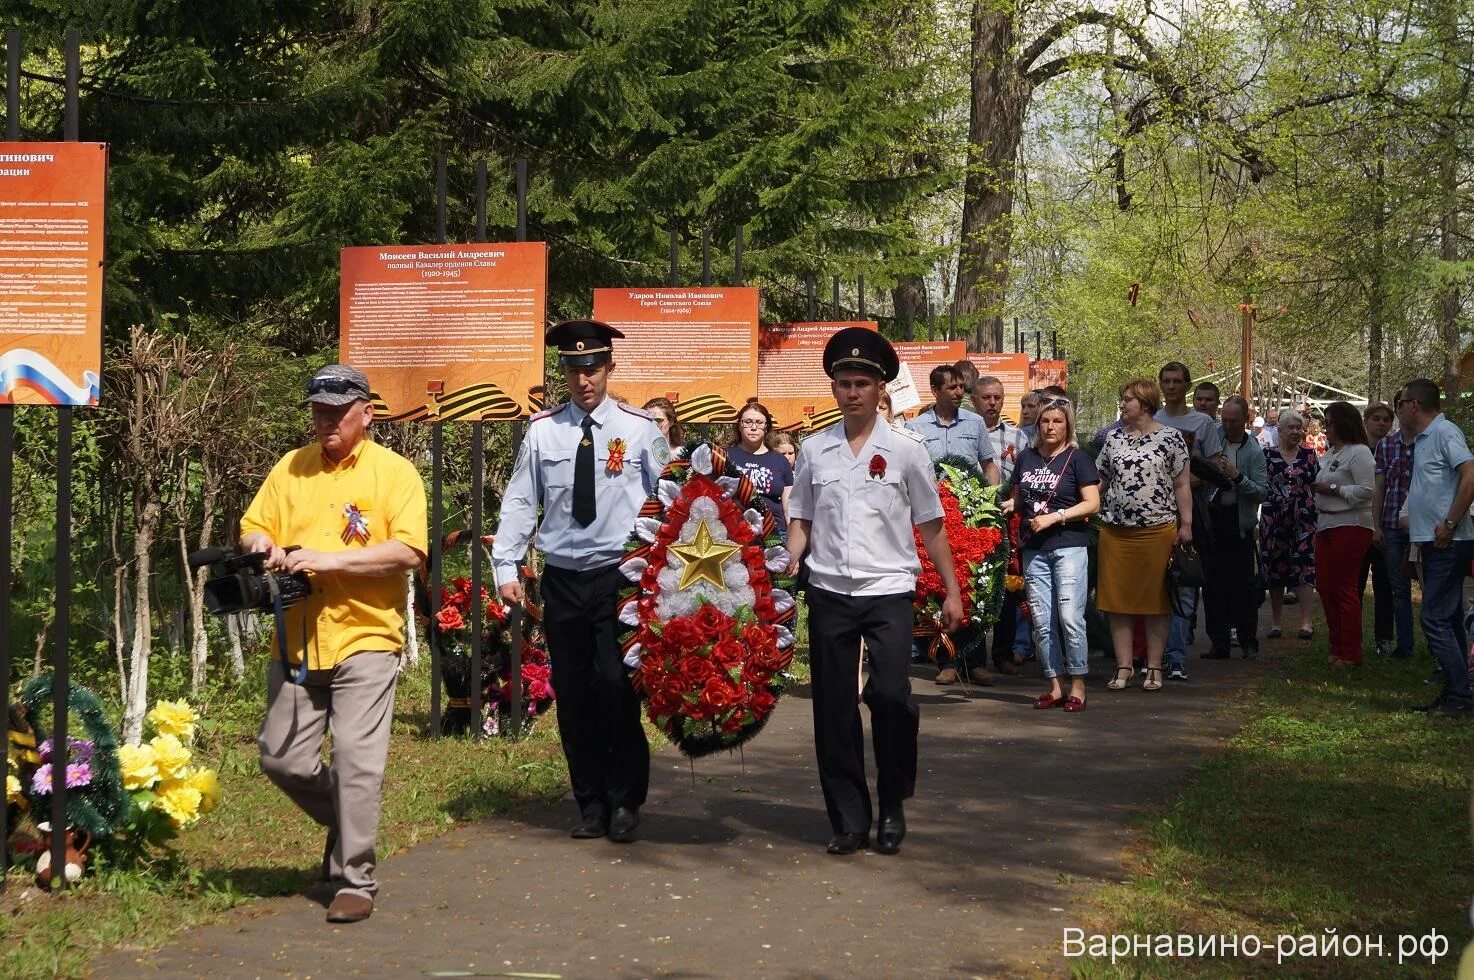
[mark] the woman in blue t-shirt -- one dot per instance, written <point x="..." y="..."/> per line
<point x="1056" y="490"/>
<point x="769" y="471"/>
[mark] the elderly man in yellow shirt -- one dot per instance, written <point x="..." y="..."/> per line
<point x="354" y="514"/>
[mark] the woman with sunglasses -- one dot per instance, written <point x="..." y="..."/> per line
<point x="770" y="472"/>
<point x="1056" y="490"/>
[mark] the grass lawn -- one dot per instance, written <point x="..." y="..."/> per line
<point x="1332" y="809"/>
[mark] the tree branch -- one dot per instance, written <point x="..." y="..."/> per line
<point x="1081" y="18"/>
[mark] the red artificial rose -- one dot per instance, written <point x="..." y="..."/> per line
<point x="765" y="608"/>
<point x="696" y="671"/>
<point x="756" y="674"/>
<point x="733" y="724"/>
<point x="711" y="620"/>
<point x="727" y="652"/>
<point x="877" y="465"/>
<point x="741" y="533"/>
<point x="761" y="703"/>
<point x="718" y="694"/>
<point x="755" y="637"/>
<point x="664" y="703"/>
<point x="753" y="558"/>
<point x="684" y="635"/>
<point x="449" y="618"/>
<point x="495" y="613"/>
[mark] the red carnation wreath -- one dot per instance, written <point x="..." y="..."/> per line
<point x="710" y="610"/>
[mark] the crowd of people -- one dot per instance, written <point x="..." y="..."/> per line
<point x="1387" y="495"/>
<point x="1283" y="507"/>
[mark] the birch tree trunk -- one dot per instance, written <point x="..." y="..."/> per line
<point x="135" y="704"/>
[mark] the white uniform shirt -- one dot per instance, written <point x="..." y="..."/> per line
<point x="544" y="476"/>
<point x="861" y="540"/>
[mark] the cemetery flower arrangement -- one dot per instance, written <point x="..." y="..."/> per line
<point x="169" y="790"/>
<point x="453" y="625"/>
<point x="709" y="609"/>
<point x="973" y="521"/>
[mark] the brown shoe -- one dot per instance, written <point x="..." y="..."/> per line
<point x="1009" y="667"/>
<point x="348" y="907"/>
<point x="981" y="676"/>
<point x="947" y="676"/>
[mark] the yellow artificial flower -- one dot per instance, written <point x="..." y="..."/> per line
<point x="139" y="765"/>
<point x="170" y="755"/>
<point x="175" y="718"/>
<point x="179" y="800"/>
<point x="12" y="789"/>
<point x="208" y="784"/>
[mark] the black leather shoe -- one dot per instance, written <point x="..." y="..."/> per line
<point x="622" y="826"/>
<point x="848" y="843"/>
<point x="1216" y="654"/>
<point x="591" y="827"/>
<point x="891" y="832"/>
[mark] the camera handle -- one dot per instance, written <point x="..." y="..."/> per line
<point x="299" y="675"/>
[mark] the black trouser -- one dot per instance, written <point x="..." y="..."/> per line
<point x="837" y="623"/>
<point x="1231" y="597"/>
<point x="598" y="710"/>
<point x="1383" y="618"/>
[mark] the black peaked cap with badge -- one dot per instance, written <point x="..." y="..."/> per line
<point x="859" y="349"/>
<point x="583" y="343"/>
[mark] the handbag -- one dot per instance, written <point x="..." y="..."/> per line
<point x="1185" y="569"/>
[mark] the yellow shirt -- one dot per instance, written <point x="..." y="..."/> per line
<point x="305" y="501"/>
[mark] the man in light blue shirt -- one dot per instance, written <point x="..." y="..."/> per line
<point x="1438" y="502"/>
<point x="951" y="430"/>
<point x="587" y="467"/>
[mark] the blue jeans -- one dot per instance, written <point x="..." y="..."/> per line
<point x="1181" y="631"/>
<point x="1444" y="570"/>
<point x="1059" y="583"/>
<point x="1396" y="541"/>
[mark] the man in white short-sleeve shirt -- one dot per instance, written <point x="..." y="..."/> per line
<point x="859" y="488"/>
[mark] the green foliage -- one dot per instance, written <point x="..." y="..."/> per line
<point x="99" y="807"/>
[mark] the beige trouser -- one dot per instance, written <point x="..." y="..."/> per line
<point x="355" y="701"/>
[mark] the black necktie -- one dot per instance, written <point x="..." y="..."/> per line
<point x="583" y="476"/>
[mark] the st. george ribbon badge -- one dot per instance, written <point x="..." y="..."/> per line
<point x="355" y="525"/>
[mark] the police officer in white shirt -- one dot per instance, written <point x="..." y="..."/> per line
<point x="859" y="488"/>
<point x="590" y="465"/>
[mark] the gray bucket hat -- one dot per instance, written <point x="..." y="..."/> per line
<point x="337" y="384"/>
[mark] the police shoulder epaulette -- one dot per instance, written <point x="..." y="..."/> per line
<point x="548" y="412"/>
<point x="638" y="412"/>
<point x="911" y="434"/>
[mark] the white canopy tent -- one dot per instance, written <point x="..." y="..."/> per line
<point x="1274" y="388"/>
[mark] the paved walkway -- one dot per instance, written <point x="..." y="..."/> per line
<point x="1018" y="812"/>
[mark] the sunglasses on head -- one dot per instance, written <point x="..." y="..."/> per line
<point x="333" y="386"/>
<point x="1055" y="401"/>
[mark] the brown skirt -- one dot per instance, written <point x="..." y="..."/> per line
<point x="1133" y="569"/>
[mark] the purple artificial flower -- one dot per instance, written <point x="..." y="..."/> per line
<point x="78" y="750"/>
<point x="41" y="782"/>
<point x="78" y="774"/>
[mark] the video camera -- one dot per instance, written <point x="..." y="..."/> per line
<point x="239" y="582"/>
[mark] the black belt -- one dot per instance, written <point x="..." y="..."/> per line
<point x="579" y="573"/>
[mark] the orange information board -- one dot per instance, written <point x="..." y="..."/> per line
<point x="1013" y="371"/>
<point x="923" y="355"/>
<point x="696" y="345"/>
<point x="791" y="382"/>
<point x="1042" y="374"/>
<point x="52" y="202"/>
<point x="446" y="332"/>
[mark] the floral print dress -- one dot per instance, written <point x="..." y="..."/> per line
<point x="1287" y="520"/>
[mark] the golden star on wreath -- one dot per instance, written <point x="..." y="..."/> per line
<point x="704" y="559"/>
